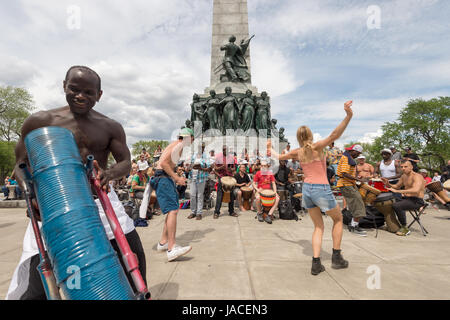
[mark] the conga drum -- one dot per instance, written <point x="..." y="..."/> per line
<point x="267" y="200"/>
<point x="368" y="193"/>
<point x="228" y="184"/>
<point x="437" y="188"/>
<point x="247" y="197"/>
<point x="378" y="184"/>
<point x="447" y="185"/>
<point x="383" y="203"/>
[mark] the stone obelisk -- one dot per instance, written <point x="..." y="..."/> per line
<point x="230" y="17"/>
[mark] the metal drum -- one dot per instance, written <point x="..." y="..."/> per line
<point x="76" y="240"/>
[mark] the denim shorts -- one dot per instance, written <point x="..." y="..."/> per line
<point x="318" y="195"/>
<point x="167" y="194"/>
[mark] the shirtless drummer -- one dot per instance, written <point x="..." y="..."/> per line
<point x="94" y="134"/>
<point x="412" y="194"/>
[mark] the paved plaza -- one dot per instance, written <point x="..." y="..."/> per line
<point x="241" y="258"/>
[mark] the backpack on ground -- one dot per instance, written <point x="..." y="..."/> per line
<point x="286" y="211"/>
<point x="373" y="219"/>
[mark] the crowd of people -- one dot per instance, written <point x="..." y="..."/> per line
<point x="345" y="170"/>
<point x="320" y="167"/>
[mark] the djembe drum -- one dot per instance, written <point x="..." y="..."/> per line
<point x="246" y="197"/>
<point x="228" y="183"/>
<point x="368" y="193"/>
<point x="378" y="184"/>
<point x="267" y="200"/>
<point x="383" y="203"/>
<point x="437" y="188"/>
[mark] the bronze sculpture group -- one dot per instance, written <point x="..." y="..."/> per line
<point x="247" y="113"/>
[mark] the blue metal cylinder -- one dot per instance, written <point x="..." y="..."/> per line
<point x="86" y="266"/>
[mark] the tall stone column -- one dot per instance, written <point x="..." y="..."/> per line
<point x="230" y="17"/>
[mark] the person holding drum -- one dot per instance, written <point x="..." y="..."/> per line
<point x="198" y="173"/>
<point x="95" y="134"/>
<point x="412" y="195"/>
<point x="224" y="167"/>
<point x="316" y="190"/>
<point x="243" y="184"/>
<point x="262" y="181"/>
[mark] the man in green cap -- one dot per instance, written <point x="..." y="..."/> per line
<point x="164" y="182"/>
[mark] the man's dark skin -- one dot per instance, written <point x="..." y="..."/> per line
<point x="387" y="157"/>
<point x="354" y="154"/>
<point x="94" y="133"/>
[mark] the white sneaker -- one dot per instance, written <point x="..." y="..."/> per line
<point x="177" y="251"/>
<point x="161" y="248"/>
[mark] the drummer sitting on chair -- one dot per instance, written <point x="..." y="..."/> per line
<point x="242" y="180"/>
<point x="412" y="195"/>
<point x="265" y="180"/>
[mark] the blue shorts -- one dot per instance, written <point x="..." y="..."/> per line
<point x="166" y="194"/>
<point x="318" y="195"/>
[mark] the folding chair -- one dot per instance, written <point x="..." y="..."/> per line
<point x="416" y="213"/>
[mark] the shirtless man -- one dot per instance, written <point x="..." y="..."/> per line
<point x="412" y="195"/>
<point x="164" y="182"/>
<point x="94" y="134"/>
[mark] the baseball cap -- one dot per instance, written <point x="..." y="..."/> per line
<point x="386" y="151"/>
<point x="186" y="132"/>
<point x="391" y="147"/>
<point x="143" y="166"/>
<point x="423" y="170"/>
<point x="361" y="157"/>
<point x="355" y="147"/>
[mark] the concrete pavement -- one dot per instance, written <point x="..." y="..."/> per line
<point x="241" y="258"/>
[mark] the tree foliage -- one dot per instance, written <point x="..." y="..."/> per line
<point x="7" y="159"/>
<point x="423" y="125"/>
<point x="15" y="106"/>
<point x="150" y="147"/>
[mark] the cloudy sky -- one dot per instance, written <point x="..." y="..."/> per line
<point x="310" y="56"/>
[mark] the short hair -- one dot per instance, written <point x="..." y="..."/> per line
<point x="404" y="161"/>
<point x="86" y="69"/>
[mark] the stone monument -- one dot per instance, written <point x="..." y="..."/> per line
<point x="231" y="102"/>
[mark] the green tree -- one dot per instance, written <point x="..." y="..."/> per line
<point x="150" y="147"/>
<point x="7" y="159"/>
<point x="423" y="125"/>
<point x="15" y="106"/>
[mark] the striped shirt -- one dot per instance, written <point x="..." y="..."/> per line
<point x="344" y="167"/>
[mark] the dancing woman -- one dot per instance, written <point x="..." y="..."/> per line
<point x="317" y="194"/>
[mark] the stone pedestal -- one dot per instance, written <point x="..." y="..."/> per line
<point x="236" y="87"/>
<point x="230" y="17"/>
